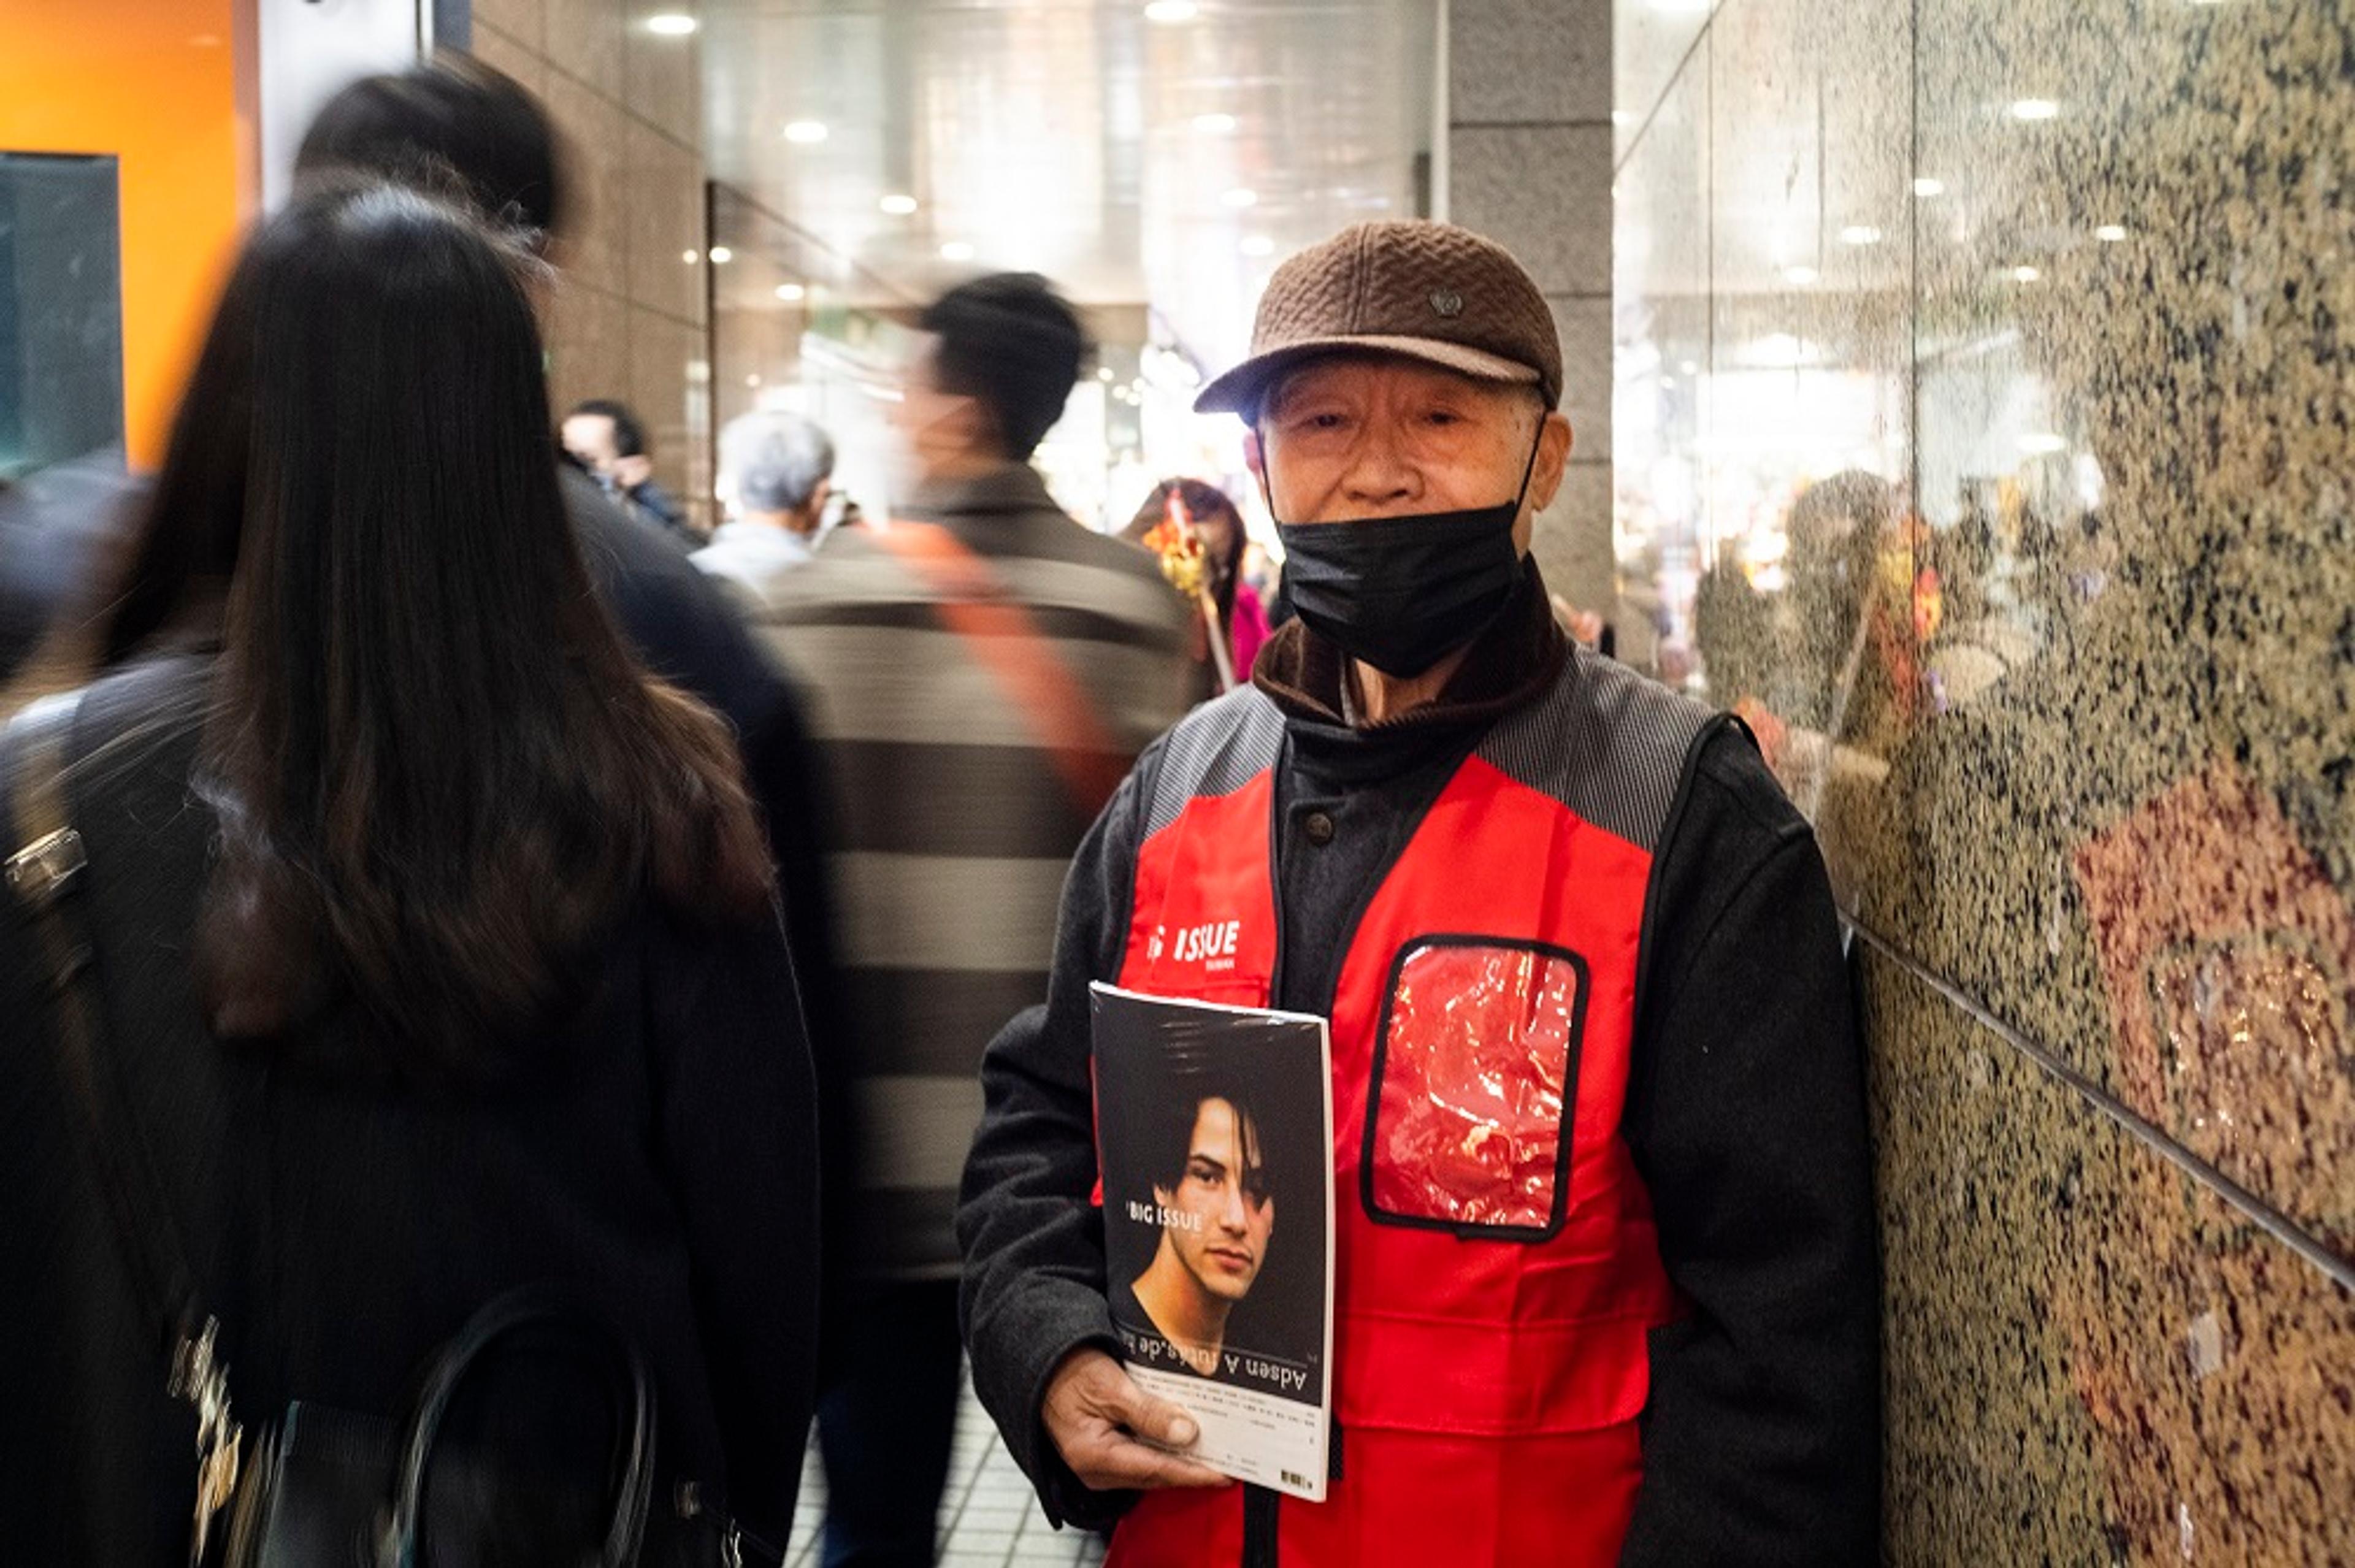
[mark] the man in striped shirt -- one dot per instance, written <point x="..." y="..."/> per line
<point x="980" y="674"/>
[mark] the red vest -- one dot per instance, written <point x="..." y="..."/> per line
<point x="1496" y="1267"/>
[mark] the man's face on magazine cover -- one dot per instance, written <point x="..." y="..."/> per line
<point x="1224" y="1193"/>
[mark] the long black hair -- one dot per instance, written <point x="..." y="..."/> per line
<point x="441" y="780"/>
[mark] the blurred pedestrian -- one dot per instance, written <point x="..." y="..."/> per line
<point x="775" y="477"/>
<point x="608" y="440"/>
<point x="454" y="118"/>
<point x="1214" y="519"/>
<point x="433" y="939"/>
<point x="981" y="669"/>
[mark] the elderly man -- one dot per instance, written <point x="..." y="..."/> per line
<point x="775" y="473"/>
<point x="1606" y="1287"/>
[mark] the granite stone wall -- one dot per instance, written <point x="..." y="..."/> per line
<point x="1528" y="165"/>
<point x="1982" y="431"/>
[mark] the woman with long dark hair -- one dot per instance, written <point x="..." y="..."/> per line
<point x="435" y="941"/>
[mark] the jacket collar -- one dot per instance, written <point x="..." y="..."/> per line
<point x="1511" y="664"/>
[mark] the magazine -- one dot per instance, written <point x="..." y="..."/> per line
<point x="1215" y="1139"/>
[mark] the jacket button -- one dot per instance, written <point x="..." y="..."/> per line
<point x="1319" y="829"/>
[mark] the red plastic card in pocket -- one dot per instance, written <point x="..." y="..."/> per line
<point x="1474" y="1085"/>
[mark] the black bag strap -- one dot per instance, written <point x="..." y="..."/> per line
<point x="46" y="873"/>
<point x="519" y="1310"/>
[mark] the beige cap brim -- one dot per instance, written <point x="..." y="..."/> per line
<point x="1240" y="389"/>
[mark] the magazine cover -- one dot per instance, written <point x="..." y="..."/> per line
<point x="1215" y="1138"/>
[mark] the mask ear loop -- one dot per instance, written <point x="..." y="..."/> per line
<point x="1528" y="468"/>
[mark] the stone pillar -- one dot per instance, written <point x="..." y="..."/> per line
<point x="1527" y="151"/>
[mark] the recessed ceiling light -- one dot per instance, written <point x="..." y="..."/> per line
<point x="2043" y="443"/>
<point x="1103" y="373"/>
<point x="1172" y="11"/>
<point x="956" y="250"/>
<point x="752" y="379"/>
<point x="671" y="25"/>
<point x="2034" y="108"/>
<point x="687" y="257"/>
<point x="897" y="206"/>
<point x="1802" y="276"/>
<point x="2025" y="274"/>
<point x="1859" y="234"/>
<point x="1214" y="124"/>
<point x="1241" y="196"/>
<point x="1926" y="188"/>
<point x="1622" y="117"/>
<point x="1256" y="245"/>
<point x="721" y="255"/>
<point x="789" y="293"/>
<point x="2110" y="233"/>
<point x="807" y="132"/>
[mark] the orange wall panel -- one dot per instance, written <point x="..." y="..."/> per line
<point x="154" y="83"/>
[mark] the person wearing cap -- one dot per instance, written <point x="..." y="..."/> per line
<point x="1606" y="1283"/>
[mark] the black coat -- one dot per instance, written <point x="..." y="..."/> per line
<point x="342" y="1225"/>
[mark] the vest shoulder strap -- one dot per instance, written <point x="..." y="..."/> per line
<point x="1606" y="742"/>
<point x="1215" y="750"/>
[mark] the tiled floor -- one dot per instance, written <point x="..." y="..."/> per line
<point x="989" y="1519"/>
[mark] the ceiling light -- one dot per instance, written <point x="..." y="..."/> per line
<point x="897" y="206"/>
<point x="671" y="25"/>
<point x="2025" y="274"/>
<point x="752" y="379"/>
<point x="1622" y="117"/>
<point x="2034" y="108"/>
<point x="1214" y="124"/>
<point x="956" y="250"/>
<point x="1926" y="188"/>
<point x="1859" y="234"/>
<point x="1103" y="373"/>
<point x="1802" y="276"/>
<point x="1256" y="245"/>
<point x="721" y="255"/>
<point x="806" y="133"/>
<point x="1172" y="11"/>
<point x="2110" y="233"/>
<point x="687" y="257"/>
<point x="1241" y="196"/>
<point x="2043" y="443"/>
<point x="790" y="292"/>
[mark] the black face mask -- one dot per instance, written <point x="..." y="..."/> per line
<point x="1400" y="593"/>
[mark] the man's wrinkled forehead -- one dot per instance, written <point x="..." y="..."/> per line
<point x="1354" y="368"/>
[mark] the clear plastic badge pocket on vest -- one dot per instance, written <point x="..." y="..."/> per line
<point x="1475" y="1087"/>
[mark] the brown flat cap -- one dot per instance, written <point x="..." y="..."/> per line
<point x="1428" y="291"/>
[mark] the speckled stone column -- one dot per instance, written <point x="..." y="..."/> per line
<point x="1985" y="410"/>
<point x="1528" y="165"/>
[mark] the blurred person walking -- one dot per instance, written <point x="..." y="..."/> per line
<point x="427" y="946"/>
<point x="776" y="474"/>
<point x="608" y="440"/>
<point x="981" y="672"/>
<point x="1242" y="615"/>
<point x="454" y="117"/>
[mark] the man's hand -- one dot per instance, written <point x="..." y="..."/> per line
<point x="1096" y="1413"/>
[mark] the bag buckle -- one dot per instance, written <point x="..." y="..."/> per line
<point x="42" y="871"/>
<point x="203" y="1381"/>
